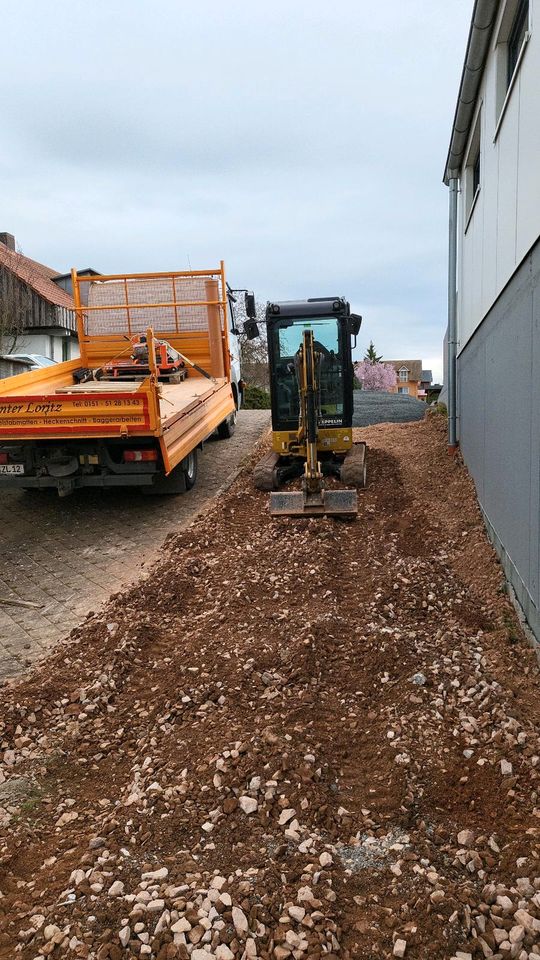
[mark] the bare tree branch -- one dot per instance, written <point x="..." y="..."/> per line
<point x="253" y="353"/>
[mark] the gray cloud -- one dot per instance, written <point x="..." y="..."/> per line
<point x="302" y="142"/>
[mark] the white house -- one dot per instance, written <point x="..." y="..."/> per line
<point x="493" y="368"/>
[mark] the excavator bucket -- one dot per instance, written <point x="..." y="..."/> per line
<point x="342" y="503"/>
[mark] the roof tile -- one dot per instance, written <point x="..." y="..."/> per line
<point x="37" y="276"/>
<point x="413" y="366"/>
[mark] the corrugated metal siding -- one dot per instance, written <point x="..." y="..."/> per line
<point x="499" y="407"/>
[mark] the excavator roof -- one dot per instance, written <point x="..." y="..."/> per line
<point x="314" y="307"/>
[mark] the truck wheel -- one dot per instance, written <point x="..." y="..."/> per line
<point x="189" y="467"/>
<point x="227" y="428"/>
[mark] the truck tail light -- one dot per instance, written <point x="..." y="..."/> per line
<point x="131" y="456"/>
<point x="3" y="457"/>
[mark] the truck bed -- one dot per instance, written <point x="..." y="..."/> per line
<point x="47" y="404"/>
<point x="54" y="428"/>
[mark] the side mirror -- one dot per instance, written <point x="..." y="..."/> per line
<point x="251" y="329"/>
<point x="355" y="322"/>
<point x="251" y="306"/>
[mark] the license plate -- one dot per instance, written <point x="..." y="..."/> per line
<point x="11" y="468"/>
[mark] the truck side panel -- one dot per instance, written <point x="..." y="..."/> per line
<point x="191" y="426"/>
<point x="67" y="415"/>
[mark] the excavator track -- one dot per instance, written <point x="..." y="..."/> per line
<point x="265" y="475"/>
<point x="353" y="471"/>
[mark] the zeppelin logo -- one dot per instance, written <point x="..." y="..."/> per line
<point x="11" y="408"/>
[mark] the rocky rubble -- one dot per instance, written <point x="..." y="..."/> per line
<point x="292" y="740"/>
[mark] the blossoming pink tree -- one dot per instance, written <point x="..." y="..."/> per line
<point x="376" y="376"/>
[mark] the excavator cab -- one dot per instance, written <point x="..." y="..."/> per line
<point x="311" y="389"/>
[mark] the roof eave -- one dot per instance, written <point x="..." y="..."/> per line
<point x="480" y="33"/>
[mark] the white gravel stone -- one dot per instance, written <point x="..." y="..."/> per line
<point x="155" y="906"/>
<point x="217" y="883"/>
<point x="240" y="921"/>
<point x="297" y="913"/>
<point x="531" y="924"/>
<point x="160" y="874"/>
<point x="400" y="947"/>
<point x="116" y="889"/>
<point x="223" y="953"/>
<point x="248" y="804"/>
<point x="286" y="815"/>
<point x="516" y="933"/>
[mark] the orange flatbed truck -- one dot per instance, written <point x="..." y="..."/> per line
<point x="106" y="418"/>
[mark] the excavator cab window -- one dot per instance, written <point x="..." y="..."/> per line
<point x="327" y="342"/>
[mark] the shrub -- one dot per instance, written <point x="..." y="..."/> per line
<point x="255" y="398"/>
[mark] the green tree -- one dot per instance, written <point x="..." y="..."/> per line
<point x="371" y="354"/>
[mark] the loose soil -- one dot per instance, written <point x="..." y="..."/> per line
<point x="294" y="738"/>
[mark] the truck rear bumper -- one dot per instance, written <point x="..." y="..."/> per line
<point x="66" y="485"/>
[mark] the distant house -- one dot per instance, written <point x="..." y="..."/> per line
<point x="493" y="343"/>
<point x="37" y="312"/>
<point x="434" y="392"/>
<point x="409" y="376"/>
<point x="425" y="384"/>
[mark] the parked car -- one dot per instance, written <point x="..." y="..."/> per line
<point x="34" y="360"/>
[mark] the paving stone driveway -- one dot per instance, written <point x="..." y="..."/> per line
<point x="69" y="555"/>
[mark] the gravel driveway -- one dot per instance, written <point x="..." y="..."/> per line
<point x="372" y="406"/>
<point x="67" y="556"/>
<point x="295" y="739"/>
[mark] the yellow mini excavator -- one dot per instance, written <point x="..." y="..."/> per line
<point x="311" y="389"/>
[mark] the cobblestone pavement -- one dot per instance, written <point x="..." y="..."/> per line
<point x="68" y="555"/>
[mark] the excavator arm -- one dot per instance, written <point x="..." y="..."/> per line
<point x="314" y="499"/>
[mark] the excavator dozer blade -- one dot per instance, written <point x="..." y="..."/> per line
<point x="342" y="503"/>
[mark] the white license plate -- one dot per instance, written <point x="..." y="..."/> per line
<point x="11" y="468"/>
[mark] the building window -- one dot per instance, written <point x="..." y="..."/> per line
<point x="65" y="348"/>
<point x="473" y="170"/>
<point x="516" y="38"/>
<point x="476" y="173"/>
<point x="511" y="40"/>
<point x="402" y="389"/>
<point x="403" y="374"/>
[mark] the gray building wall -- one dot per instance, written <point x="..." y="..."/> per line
<point x="498" y="376"/>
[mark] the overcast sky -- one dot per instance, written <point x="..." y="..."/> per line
<point x="301" y="141"/>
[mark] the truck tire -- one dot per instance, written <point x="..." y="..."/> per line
<point x="182" y="478"/>
<point x="167" y="486"/>
<point x="227" y="428"/>
<point x="189" y="467"/>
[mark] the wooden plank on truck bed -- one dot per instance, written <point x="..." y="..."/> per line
<point x="177" y="399"/>
<point x="101" y="386"/>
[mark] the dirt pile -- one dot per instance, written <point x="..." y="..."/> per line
<point x="294" y="739"/>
